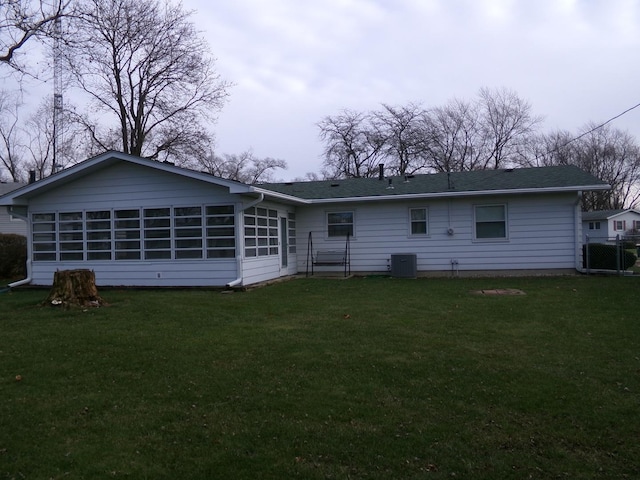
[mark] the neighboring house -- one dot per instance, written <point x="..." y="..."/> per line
<point x="140" y="222"/>
<point x="604" y="225"/>
<point x="11" y="223"/>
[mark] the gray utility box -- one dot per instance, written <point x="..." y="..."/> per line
<point x="404" y="265"/>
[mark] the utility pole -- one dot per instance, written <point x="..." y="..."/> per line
<point x="57" y="94"/>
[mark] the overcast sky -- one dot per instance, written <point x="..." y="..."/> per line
<point x="294" y="62"/>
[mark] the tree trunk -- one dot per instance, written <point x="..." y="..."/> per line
<point x="74" y="288"/>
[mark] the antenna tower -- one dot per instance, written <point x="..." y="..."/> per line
<point x="57" y="93"/>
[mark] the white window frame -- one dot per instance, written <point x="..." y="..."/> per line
<point x="328" y="225"/>
<point x="261" y="232"/>
<point x="619" y="223"/>
<point x="594" y="225"/>
<point x="413" y="221"/>
<point x="505" y="220"/>
<point x="163" y="233"/>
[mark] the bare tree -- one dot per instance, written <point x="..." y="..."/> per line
<point x="454" y="141"/>
<point x="148" y="71"/>
<point x="507" y="121"/>
<point x="11" y="148"/>
<point x="613" y="156"/>
<point x="401" y="129"/>
<point x="243" y="167"/>
<point x="39" y="141"/>
<point x="23" y="20"/>
<point x="352" y="146"/>
<point x="607" y="153"/>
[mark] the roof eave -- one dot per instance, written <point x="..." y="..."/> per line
<point x="449" y="194"/>
<point x="282" y="196"/>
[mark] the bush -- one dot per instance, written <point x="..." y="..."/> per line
<point x="13" y="255"/>
<point x="603" y="257"/>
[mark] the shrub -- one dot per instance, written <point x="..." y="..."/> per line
<point x="13" y="255"/>
<point x="603" y="257"/>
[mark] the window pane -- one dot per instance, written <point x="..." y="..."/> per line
<point x="44" y="227"/>
<point x="187" y="212"/>
<point x="418" y="228"/>
<point x="127" y="213"/>
<point x="156" y="212"/>
<point x="99" y="225"/>
<point x="65" y="217"/>
<point x="44" y="217"/>
<point x="220" y="210"/>
<point x="340" y="230"/>
<point x="418" y="214"/>
<point x="127" y="224"/>
<point x="189" y="232"/>
<point x="157" y="233"/>
<point x="213" y="221"/>
<point x="491" y="230"/>
<point x="490" y="213"/>
<point x="188" y="221"/>
<point x="101" y="215"/>
<point x="342" y="217"/>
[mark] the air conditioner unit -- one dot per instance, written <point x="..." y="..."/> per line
<point x="404" y="265"/>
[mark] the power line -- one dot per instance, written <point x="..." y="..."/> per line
<point x="555" y="149"/>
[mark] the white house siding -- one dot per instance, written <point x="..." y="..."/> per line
<point x="9" y="224"/>
<point x="541" y="234"/>
<point x="124" y="186"/>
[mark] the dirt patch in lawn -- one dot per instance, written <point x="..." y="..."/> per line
<point x="499" y="291"/>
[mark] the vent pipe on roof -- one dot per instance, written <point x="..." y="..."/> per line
<point x="381" y="171"/>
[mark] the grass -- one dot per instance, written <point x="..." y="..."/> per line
<point x="372" y="378"/>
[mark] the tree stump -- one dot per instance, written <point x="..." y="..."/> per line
<point x="74" y="288"/>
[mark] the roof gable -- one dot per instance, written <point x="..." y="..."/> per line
<point x="107" y="159"/>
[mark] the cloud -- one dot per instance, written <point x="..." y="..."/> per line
<point x="296" y="62"/>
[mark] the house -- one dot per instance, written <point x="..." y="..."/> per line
<point x="10" y="223"/>
<point x="603" y="226"/>
<point x="139" y="222"/>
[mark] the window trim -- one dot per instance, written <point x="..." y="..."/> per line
<point x="328" y="235"/>
<point x="426" y="222"/>
<point x="623" y="225"/>
<point x="505" y="209"/>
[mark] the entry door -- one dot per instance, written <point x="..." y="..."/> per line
<point x="284" y="242"/>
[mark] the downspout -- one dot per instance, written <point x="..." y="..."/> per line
<point x="24" y="281"/>
<point x="238" y="281"/>
<point x="27" y="280"/>
<point x="578" y="234"/>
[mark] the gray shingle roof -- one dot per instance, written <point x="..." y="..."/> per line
<point x="602" y="214"/>
<point x="560" y="177"/>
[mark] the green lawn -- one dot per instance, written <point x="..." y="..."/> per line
<point x="371" y="378"/>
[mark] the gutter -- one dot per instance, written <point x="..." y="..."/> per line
<point x="451" y="194"/>
<point x="577" y="225"/>
<point x="238" y="281"/>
